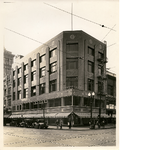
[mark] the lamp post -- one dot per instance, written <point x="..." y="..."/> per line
<point x="91" y="96"/>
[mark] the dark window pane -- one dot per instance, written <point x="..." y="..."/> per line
<point x="72" y="47"/>
<point x="68" y="100"/>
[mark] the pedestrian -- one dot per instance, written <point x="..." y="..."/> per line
<point x="69" y="124"/>
<point x="61" y="122"/>
<point x="57" y="122"/>
<point x="103" y="123"/>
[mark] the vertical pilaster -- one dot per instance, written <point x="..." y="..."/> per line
<point x="82" y="101"/>
<point x="16" y="80"/>
<point x="85" y="65"/>
<point x="58" y="66"/>
<point x="47" y="70"/>
<point x="12" y="89"/>
<point x="62" y="101"/>
<point x="22" y="80"/>
<point x="37" y="73"/>
<point x="29" y="77"/>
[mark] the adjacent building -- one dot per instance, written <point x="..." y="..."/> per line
<point x="111" y="94"/>
<point x="8" y="61"/>
<point x="54" y="80"/>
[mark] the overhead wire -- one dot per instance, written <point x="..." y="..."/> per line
<point x="79" y="16"/>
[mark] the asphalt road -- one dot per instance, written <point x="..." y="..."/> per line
<point x="29" y="137"/>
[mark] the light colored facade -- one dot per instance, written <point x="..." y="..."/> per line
<point x="54" y="80"/>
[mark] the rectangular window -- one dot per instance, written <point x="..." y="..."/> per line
<point x="90" y="67"/>
<point x="13" y="73"/>
<point x="68" y="100"/>
<point x="76" y="100"/>
<point x="19" y="94"/>
<point x="100" y="55"/>
<point x="17" y="107"/>
<point x="100" y="87"/>
<point x="72" y="82"/>
<point x="25" y="67"/>
<point x="42" y="88"/>
<point x="57" y="102"/>
<point x="86" y="101"/>
<point x="53" y="67"/>
<point x="90" y="51"/>
<point x="42" y="58"/>
<point x="52" y="52"/>
<point x="33" y="91"/>
<point x="14" y="83"/>
<point x="9" y="91"/>
<point x="33" y="75"/>
<point x="90" y="85"/>
<point x="97" y="103"/>
<point x="110" y="90"/>
<point x="72" y="47"/>
<point x="72" y="64"/>
<point x="25" y="93"/>
<point x="19" y="81"/>
<point x="9" y="102"/>
<point x="14" y="96"/>
<point x="42" y="72"/>
<point x="26" y="79"/>
<point x="53" y="86"/>
<point x="14" y="108"/>
<point x="33" y="63"/>
<point x="51" y="103"/>
<point x="99" y="70"/>
<point x="19" y="70"/>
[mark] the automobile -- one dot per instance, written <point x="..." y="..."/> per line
<point x="15" y="122"/>
<point x="22" y="124"/>
<point x="40" y="124"/>
<point x="29" y="123"/>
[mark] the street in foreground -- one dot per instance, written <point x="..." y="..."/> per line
<point x="51" y="137"/>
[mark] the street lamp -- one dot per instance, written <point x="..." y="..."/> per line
<point x="91" y="96"/>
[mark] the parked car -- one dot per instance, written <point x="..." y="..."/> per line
<point x="29" y="123"/>
<point x="40" y="124"/>
<point x="15" y="122"/>
<point x="22" y="124"/>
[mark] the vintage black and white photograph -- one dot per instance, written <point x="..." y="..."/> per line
<point x="60" y="73"/>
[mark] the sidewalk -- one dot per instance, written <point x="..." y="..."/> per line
<point x="108" y="126"/>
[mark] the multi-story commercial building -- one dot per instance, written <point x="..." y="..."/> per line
<point x="8" y="61"/>
<point x="111" y="94"/>
<point x="54" y="80"/>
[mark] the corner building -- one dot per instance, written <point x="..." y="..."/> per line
<point x="54" y="80"/>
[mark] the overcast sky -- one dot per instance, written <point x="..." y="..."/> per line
<point x="42" y="22"/>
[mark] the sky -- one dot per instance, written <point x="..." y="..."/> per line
<point x="41" y="22"/>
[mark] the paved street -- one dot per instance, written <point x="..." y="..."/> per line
<point x="51" y="137"/>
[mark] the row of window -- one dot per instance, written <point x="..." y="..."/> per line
<point x="53" y="68"/>
<point x="57" y="102"/>
<point x="42" y="90"/>
<point x="69" y="47"/>
<point x="70" y="82"/>
<point x="33" y="63"/>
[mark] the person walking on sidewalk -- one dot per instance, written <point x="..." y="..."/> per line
<point x="69" y="124"/>
<point x="61" y="122"/>
<point x="57" y="122"/>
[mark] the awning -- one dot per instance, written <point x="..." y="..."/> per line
<point x="6" y="116"/>
<point x="104" y="115"/>
<point x="15" y="116"/>
<point x="51" y="115"/>
<point x="63" y="115"/>
<point x="32" y="115"/>
<point x="87" y="115"/>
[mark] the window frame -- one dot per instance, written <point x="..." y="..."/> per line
<point x="90" y="83"/>
<point x="91" y="51"/>
<point x="90" y="66"/>
<point x="42" y="72"/>
<point x="53" y="86"/>
<point x="53" y="65"/>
